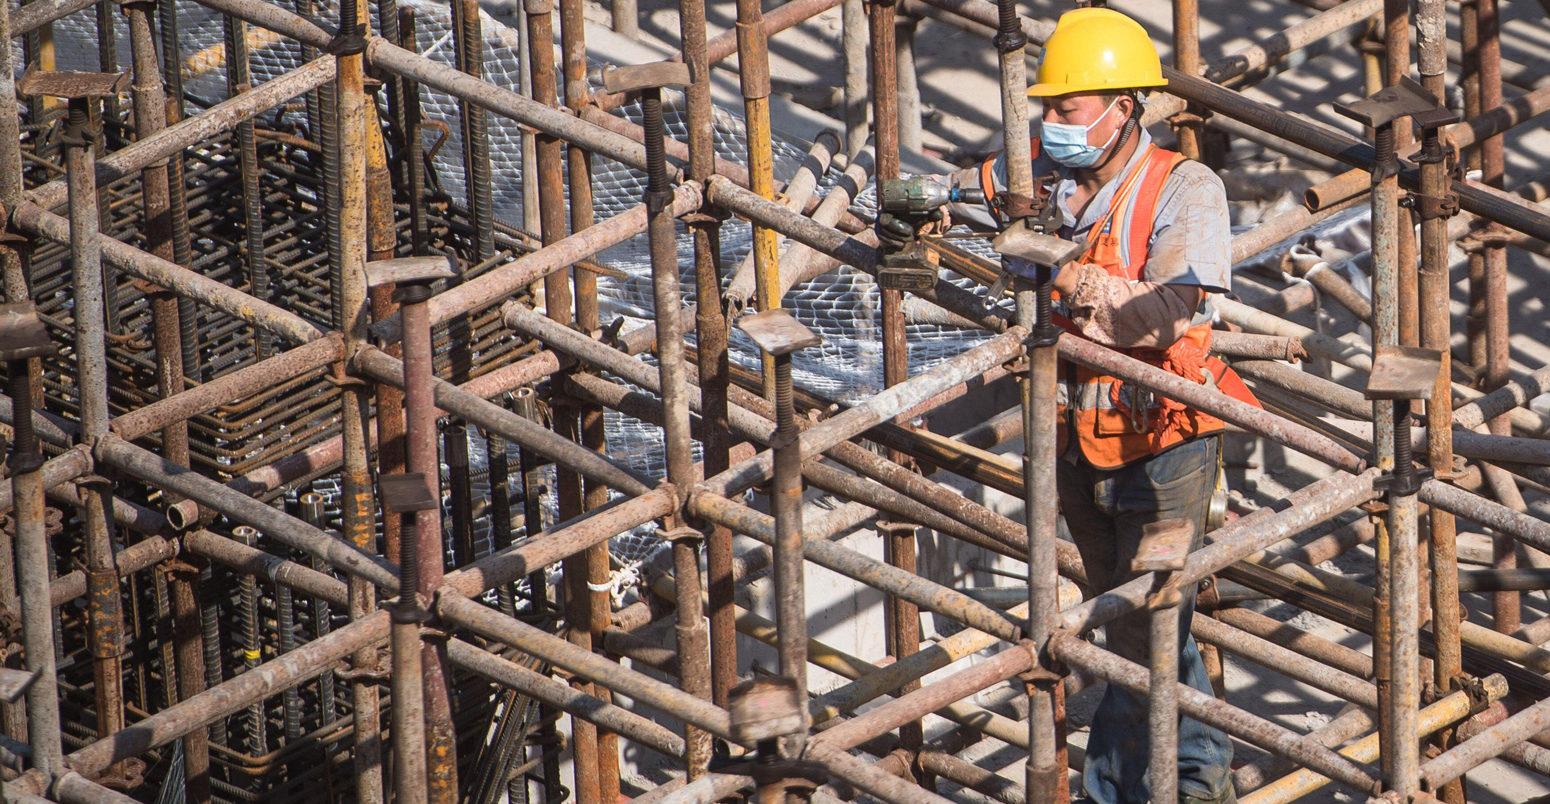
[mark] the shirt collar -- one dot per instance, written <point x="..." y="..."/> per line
<point x="1101" y="201"/>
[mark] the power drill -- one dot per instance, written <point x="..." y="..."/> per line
<point x="904" y="206"/>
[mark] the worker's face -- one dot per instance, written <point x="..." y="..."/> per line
<point x="1101" y="115"/>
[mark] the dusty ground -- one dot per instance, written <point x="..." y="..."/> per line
<point x="961" y="121"/>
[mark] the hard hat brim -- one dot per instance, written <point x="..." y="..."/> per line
<point x="1051" y="89"/>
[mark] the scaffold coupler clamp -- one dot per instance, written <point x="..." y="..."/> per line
<point x="1429" y="207"/>
<point x="1045" y="669"/>
<point x="349" y="41"/>
<point x="1188" y="118"/>
<point x="1434" y="152"/>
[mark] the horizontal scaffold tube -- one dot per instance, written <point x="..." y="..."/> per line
<point x="291" y="327"/>
<point x="907" y="585"/>
<point x="562" y="541"/>
<point x="217" y="120"/>
<point x="929" y="698"/>
<point x="294" y="667"/>
<point x="561" y="696"/>
<point x="134" y="558"/>
<point x="868" y="777"/>
<point x="474" y="409"/>
<point x="250" y="560"/>
<point x="288" y="530"/>
<point x="877" y="409"/>
<point x="1075" y="651"/>
<point x="1315" y="503"/>
<point x="230" y="697"/>
<point x="1282" y="431"/>
<point x="1486" y="745"/>
<point x="506" y="280"/>
<point x="491" y="624"/>
<point x="62" y="468"/>
<point x="1441" y="714"/>
<point x="228" y="388"/>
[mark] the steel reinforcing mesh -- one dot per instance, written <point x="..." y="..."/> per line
<point x="843" y="306"/>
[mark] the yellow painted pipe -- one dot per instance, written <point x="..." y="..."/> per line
<point x="1474" y="635"/>
<point x="766" y="244"/>
<point x="1446" y="712"/>
<point x="874" y="681"/>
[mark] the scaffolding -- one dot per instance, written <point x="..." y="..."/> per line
<point x="247" y="557"/>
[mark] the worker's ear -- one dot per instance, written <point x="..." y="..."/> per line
<point x="1127" y="105"/>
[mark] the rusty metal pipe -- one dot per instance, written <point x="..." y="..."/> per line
<point x="874" y="780"/>
<point x="876" y="410"/>
<point x="1268" y="425"/>
<point x="561" y="696"/>
<point x="139" y="556"/>
<point x="1486" y="745"/>
<point x="287" y="325"/>
<point x="224" y="390"/>
<point x="418" y="675"/>
<point x="925" y="700"/>
<point x="154" y="469"/>
<point x="476" y="410"/>
<point x="1443" y="713"/>
<point x="553" y="257"/>
<point x="230" y="696"/>
<point x="796" y="195"/>
<point x="277" y="571"/>
<point x="1244" y="725"/>
<point x="173" y="139"/>
<point x="1286" y="661"/>
<point x="104" y="607"/>
<point x="32" y="580"/>
<point x="1244" y="536"/>
<point x="921" y="592"/>
<point x="566" y="539"/>
<point x="644" y="689"/>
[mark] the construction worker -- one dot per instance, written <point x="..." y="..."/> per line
<point x="1156" y="233"/>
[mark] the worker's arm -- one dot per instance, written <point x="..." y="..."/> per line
<point x="975" y="216"/>
<point x="1188" y="257"/>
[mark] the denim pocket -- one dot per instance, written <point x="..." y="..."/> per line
<point x="1190" y="462"/>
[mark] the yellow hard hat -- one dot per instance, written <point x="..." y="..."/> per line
<point x="1097" y="50"/>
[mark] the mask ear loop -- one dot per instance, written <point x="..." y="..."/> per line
<point x="1125" y="131"/>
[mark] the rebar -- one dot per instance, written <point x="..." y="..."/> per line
<point x="247" y="228"/>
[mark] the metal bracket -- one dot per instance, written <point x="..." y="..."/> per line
<point x="1403" y="372"/>
<point x="777" y="332"/>
<point x="1047" y="335"/>
<point x="1186" y="119"/>
<point x="1404" y="99"/>
<point x="22" y="333"/>
<point x="645" y="76"/>
<point x="406" y="493"/>
<point x="1403" y="483"/>
<point x="1430" y="207"/>
<point x="706" y="215"/>
<point x="1474" y="687"/>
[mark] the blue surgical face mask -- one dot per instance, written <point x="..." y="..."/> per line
<point x="1067" y="144"/>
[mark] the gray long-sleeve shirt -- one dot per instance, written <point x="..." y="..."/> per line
<point x="1189" y="251"/>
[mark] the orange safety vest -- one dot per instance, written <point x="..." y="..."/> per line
<point x="1114" y="422"/>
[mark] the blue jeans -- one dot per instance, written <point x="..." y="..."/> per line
<point x="1105" y="511"/>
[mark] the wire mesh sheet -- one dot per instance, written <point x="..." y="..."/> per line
<point x="843" y="307"/>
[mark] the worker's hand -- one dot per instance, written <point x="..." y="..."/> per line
<point x="1066" y="281"/>
<point x="939" y="226"/>
<point x="893" y="231"/>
